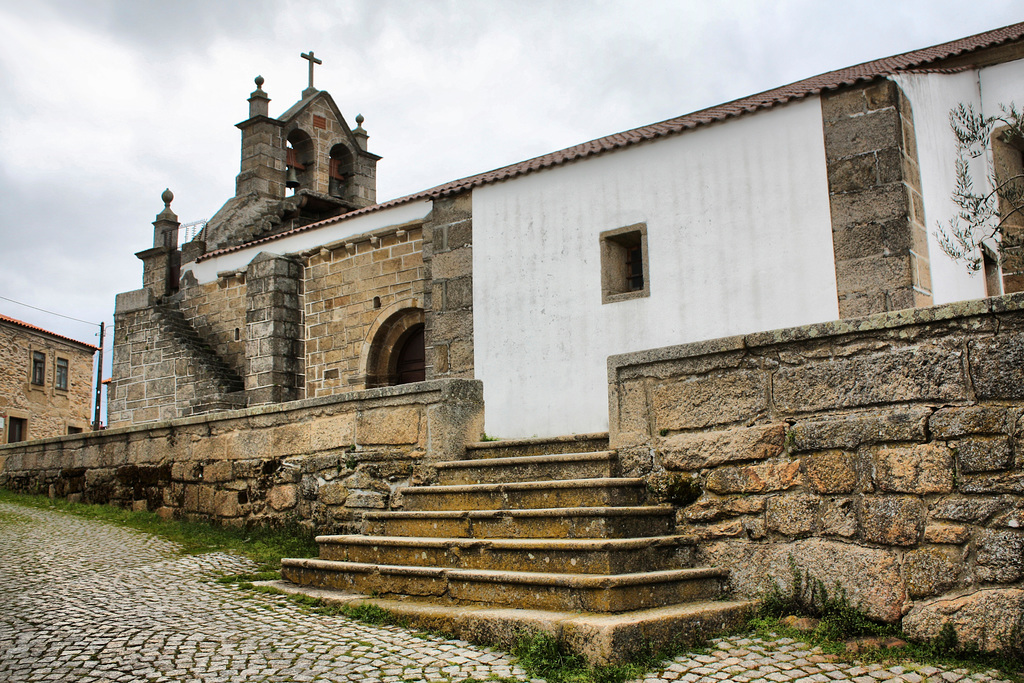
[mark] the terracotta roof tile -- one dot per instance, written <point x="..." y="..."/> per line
<point x="908" y="61"/>
<point x="29" y="326"/>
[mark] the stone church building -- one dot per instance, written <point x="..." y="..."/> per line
<point x="812" y="202"/>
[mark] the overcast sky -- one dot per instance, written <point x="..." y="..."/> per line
<point x="104" y="103"/>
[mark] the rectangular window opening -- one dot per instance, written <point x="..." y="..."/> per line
<point x="38" y="368"/>
<point x="624" y="264"/>
<point x="61" y="380"/>
<point x="16" y="430"/>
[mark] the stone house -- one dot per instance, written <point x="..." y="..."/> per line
<point x="45" y="382"/>
<point x="808" y="203"/>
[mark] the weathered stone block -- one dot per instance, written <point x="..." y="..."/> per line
<point x="949" y="423"/>
<point x="965" y="509"/>
<point x="831" y="472"/>
<point x="333" y="493"/>
<point x="927" y="468"/>
<point x="217" y="471"/>
<point x="870" y="577"/>
<point x="744" y="505"/>
<point x="283" y="497"/>
<point x="794" y="514"/>
<point x="910" y="374"/>
<point x="872" y="205"/>
<point x="1000" y="555"/>
<point x="1009" y="482"/>
<point x="891" y="520"/>
<point x="398" y="425"/>
<point x="983" y="454"/>
<point x="852" y="173"/>
<point x="988" y="619"/>
<point x="704" y="510"/>
<point x="226" y="504"/>
<point x="838" y="517"/>
<point x="850" y="431"/>
<point x="366" y="499"/>
<point x="854" y="135"/>
<point x="997" y="366"/>
<point x="772" y="476"/>
<point x="696" y="451"/>
<point x="328" y="433"/>
<point x="633" y="423"/>
<point x="717" y="399"/>
<point x="291" y="439"/>
<point x="946" y="533"/>
<point x="931" y="571"/>
<point x="861" y="240"/>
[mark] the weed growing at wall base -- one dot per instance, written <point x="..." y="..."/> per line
<point x="840" y="622"/>
<point x="263" y="545"/>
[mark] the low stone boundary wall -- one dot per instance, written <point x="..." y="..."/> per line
<point x="881" y="453"/>
<point x="321" y="462"/>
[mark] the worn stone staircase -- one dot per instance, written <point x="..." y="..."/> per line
<point x="217" y="385"/>
<point x="528" y="524"/>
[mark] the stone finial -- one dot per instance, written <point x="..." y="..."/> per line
<point x="259" y="103"/>
<point x="165" y="227"/>
<point x="167" y="215"/>
<point x="359" y="133"/>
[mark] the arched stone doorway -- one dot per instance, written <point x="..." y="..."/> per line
<point x="397" y="353"/>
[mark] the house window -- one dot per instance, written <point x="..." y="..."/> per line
<point x="624" y="270"/>
<point x="38" y="368"/>
<point x="61" y="380"/>
<point x="16" y="429"/>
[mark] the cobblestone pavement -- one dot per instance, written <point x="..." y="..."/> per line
<point x="85" y="601"/>
<point x="753" y="660"/>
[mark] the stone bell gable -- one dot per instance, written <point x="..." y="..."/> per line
<point x="304" y="166"/>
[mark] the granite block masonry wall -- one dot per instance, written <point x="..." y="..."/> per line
<point x="878" y="223"/>
<point x="320" y="462"/>
<point x="882" y="454"/>
<point x="448" y="262"/>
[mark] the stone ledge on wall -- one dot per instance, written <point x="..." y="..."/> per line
<point x="883" y="455"/>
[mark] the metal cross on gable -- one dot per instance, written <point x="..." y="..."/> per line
<point x="312" y="60"/>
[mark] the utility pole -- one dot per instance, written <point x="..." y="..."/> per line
<point x="99" y="386"/>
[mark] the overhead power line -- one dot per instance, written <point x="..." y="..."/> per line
<point x="59" y="315"/>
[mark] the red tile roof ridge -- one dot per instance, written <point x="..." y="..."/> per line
<point x="30" y="326"/>
<point x="912" y="60"/>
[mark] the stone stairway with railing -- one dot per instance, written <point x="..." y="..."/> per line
<point x="528" y="525"/>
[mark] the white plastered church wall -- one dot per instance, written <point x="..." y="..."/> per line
<point x="932" y="97"/>
<point x="739" y="239"/>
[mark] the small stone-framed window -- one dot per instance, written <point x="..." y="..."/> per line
<point x="17" y="429"/>
<point x="60" y="380"/>
<point x="624" y="270"/>
<point x="38" y="373"/>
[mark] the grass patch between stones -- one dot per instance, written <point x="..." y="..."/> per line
<point x="842" y="624"/>
<point x="266" y="546"/>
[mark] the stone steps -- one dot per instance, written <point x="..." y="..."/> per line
<point x="586" y="465"/>
<point x="581" y="556"/>
<point x="536" y="590"/>
<point x="527" y="495"/>
<point x="578" y="522"/>
<point x="529" y="524"/>
<point x="507" y="448"/>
